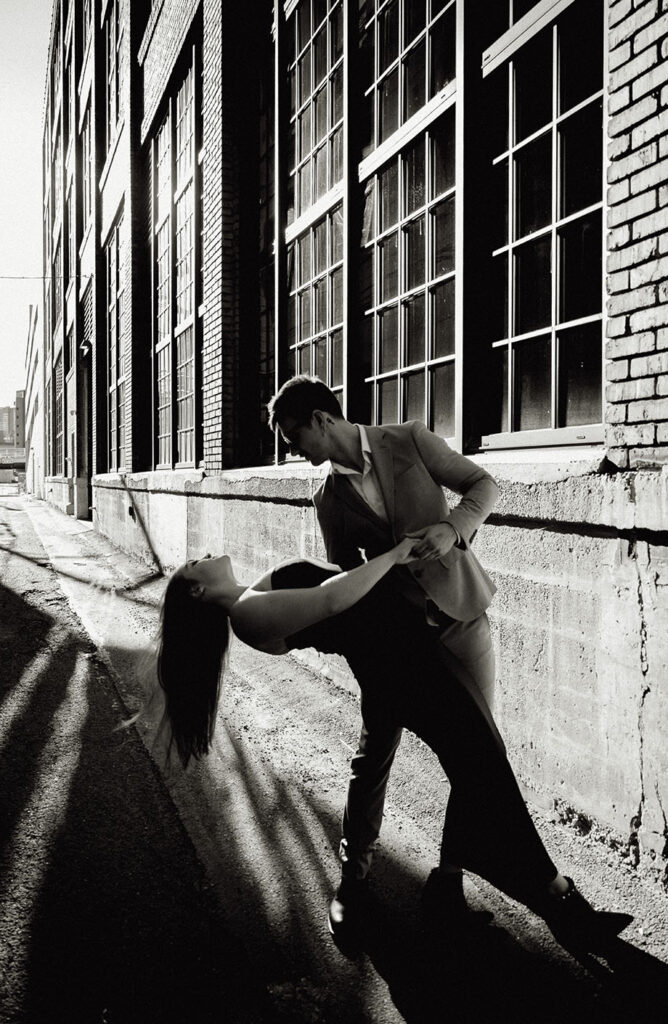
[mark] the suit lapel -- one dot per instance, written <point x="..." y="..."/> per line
<point x="347" y="495"/>
<point x="383" y="463"/>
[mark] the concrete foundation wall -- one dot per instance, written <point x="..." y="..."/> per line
<point x="580" y="619"/>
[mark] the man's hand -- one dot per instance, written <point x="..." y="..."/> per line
<point x="434" y="541"/>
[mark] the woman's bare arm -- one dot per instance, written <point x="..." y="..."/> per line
<point x="261" y="618"/>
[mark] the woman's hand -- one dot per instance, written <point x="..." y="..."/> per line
<point x="404" y="551"/>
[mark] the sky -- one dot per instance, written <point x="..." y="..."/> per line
<point x="24" y="40"/>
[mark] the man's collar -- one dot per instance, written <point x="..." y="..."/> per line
<point x="366" y="455"/>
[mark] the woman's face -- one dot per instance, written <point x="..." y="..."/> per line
<point x="210" y="573"/>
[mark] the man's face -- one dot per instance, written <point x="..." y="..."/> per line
<point x="306" y="439"/>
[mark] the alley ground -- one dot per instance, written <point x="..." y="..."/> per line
<point x="131" y="894"/>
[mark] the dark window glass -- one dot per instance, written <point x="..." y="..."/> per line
<point x="305" y="131"/>
<point x="366" y="57"/>
<point x="414" y="15"/>
<point x="320" y="114"/>
<point x="443" y="154"/>
<point x="319" y="11"/>
<point x="414" y="396"/>
<point x="580" y="244"/>
<point x="533" y="182"/>
<point x="305" y="313"/>
<point x="336" y="87"/>
<point x="498" y="210"/>
<point x="581" y="144"/>
<point x="415" y="176"/>
<point x="388" y="339"/>
<point x="320" y="306"/>
<point x="414" y="80"/>
<point x="305" y="77"/>
<point x="580" y="375"/>
<point x="533" y="86"/>
<point x="337" y="296"/>
<point x="387" y="401"/>
<point x="443" y="37"/>
<point x="320" y="358"/>
<point x="367" y="124"/>
<point x="305" y="259"/>
<point x="498" y="407"/>
<point x="443" y="319"/>
<point x="415" y="252"/>
<point x="320" y="55"/>
<point x="336" y="157"/>
<point x="337" y="33"/>
<point x="304" y="354"/>
<point x="366" y="277"/>
<point x="304" y="23"/>
<point x="337" y="358"/>
<point x="443" y="227"/>
<point x="389" y="267"/>
<point x="388" y="35"/>
<point x="497" y="306"/>
<point x="532" y="285"/>
<point x="580" y="53"/>
<point x="389" y="196"/>
<point x="366" y="345"/>
<point x="336" y="234"/>
<point x="496" y="99"/>
<point x="320" y="247"/>
<point x="532" y="384"/>
<point x="388" y="113"/>
<point x="414" y="326"/>
<point x="443" y="400"/>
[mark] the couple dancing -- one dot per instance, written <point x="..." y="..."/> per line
<point x="410" y="619"/>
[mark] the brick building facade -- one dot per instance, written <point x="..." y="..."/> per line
<point x="448" y="210"/>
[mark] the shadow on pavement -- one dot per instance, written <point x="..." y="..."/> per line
<point x="108" y="918"/>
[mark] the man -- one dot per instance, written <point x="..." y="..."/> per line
<point x="385" y="483"/>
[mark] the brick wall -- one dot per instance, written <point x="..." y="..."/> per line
<point x="163" y="40"/>
<point x="637" y="265"/>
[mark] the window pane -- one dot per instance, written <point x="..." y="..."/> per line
<point x="320" y="247"/>
<point x="415" y="176"/>
<point x="366" y="277"/>
<point x="581" y="144"/>
<point x="498" y="407"/>
<point x="305" y="77"/>
<point x="580" y="245"/>
<point x="304" y="23"/>
<point x="336" y="234"/>
<point x="320" y="359"/>
<point x="389" y="268"/>
<point x="305" y="259"/>
<point x="320" y="306"/>
<point x="442" y="418"/>
<point x="336" y="87"/>
<point x="337" y="359"/>
<point x="387" y="401"/>
<point x="336" y="31"/>
<point x="414" y="326"/>
<point x="337" y="296"/>
<point x="366" y="345"/>
<point x="367" y="124"/>
<point x="443" y="228"/>
<point x="415" y="252"/>
<point x="414" y="83"/>
<point x="442" y="51"/>
<point x="304" y="354"/>
<point x="499" y="205"/>
<point x="414" y="20"/>
<point x="532" y="285"/>
<point x="532" y="384"/>
<point x="320" y="56"/>
<point x="388" y="35"/>
<point x="578" y="35"/>
<point x="389" y="196"/>
<point x="498" y="298"/>
<point x="320" y="163"/>
<point x="388" y="339"/>
<point x="320" y="115"/>
<point x="533" y="85"/>
<point x="580" y="375"/>
<point x="533" y="183"/>
<point x="414" y="396"/>
<point x="443" y="154"/>
<point x="305" y="314"/>
<point x="336" y="163"/>
<point x="388" y="114"/>
<point x="305" y="131"/>
<point x="443" y="319"/>
<point x="520" y="8"/>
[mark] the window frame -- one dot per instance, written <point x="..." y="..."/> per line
<point x="116" y="356"/>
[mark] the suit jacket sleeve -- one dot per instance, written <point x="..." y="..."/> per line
<point x="448" y="468"/>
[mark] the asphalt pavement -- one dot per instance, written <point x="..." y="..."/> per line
<point x="132" y="893"/>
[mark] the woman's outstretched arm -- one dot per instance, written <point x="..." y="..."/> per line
<point x="264" y="618"/>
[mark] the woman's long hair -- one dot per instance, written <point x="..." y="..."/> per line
<point x="194" y="638"/>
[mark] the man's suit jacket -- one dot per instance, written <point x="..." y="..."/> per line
<point x="412" y="466"/>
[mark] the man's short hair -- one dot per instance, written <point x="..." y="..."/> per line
<point x="298" y="399"/>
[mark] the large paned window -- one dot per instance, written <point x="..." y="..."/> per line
<point x="58" y="467"/>
<point x="407" y="51"/>
<point x="546" y="310"/>
<point x="175" y="329"/>
<point x="315" y="310"/>
<point x="407" y="281"/>
<point x="48" y="425"/>
<point x="314" y="37"/>
<point x="86" y="171"/>
<point x="57" y="273"/>
<point x="114" y="54"/>
<point x="116" y="359"/>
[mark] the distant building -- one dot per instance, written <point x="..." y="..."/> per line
<point x="34" y="419"/>
<point x="7" y="424"/>
<point x="19" y="419"/>
<point x="449" y="214"/>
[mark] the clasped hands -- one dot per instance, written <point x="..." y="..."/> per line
<point x="433" y="541"/>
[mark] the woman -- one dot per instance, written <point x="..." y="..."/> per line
<point x="389" y="645"/>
